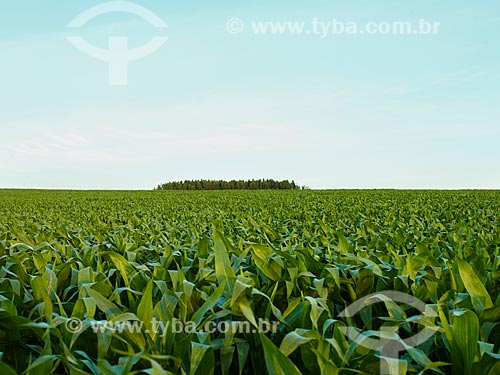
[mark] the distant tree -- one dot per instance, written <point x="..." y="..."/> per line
<point x="229" y="185"/>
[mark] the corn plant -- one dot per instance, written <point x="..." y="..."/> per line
<point x="295" y="258"/>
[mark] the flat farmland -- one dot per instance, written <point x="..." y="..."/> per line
<point x="130" y="282"/>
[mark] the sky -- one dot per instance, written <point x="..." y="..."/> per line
<point x="217" y="101"/>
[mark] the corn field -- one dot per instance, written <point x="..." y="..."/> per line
<point x="296" y="258"/>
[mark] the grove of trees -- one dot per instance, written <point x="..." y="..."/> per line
<point x="229" y="185"/>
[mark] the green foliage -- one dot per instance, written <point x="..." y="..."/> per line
<point x="294" y="257"/>
<point x="262" y="184"/>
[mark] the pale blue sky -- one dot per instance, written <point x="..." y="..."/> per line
<point x="360" y="111"/>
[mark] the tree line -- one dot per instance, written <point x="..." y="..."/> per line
<point x="229" y="185"/>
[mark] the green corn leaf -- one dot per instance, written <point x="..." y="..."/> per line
<point x="292" y="341"/>
<point x="276" y="362"/>
<point x="481" y="300"/>
<point x="223" y="269"/>
<point x="145" y="308"/>
<point x="466" y="336"/>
